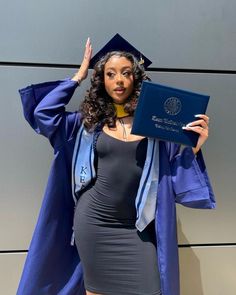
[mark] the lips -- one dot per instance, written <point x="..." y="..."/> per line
<point x="119" y="90"/>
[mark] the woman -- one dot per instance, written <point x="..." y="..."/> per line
<point x="119" y="253"/>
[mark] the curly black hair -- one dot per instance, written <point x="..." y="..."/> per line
<point x="97" y="106"/>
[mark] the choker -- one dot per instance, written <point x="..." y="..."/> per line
<point x="120" y="112"/>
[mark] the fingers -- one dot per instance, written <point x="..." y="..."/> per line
<point x="87" y="42"/>
<point x="83" y="70"/>
<point x="202" y="122"/>
<point x="198" y="129"/>
<point x="199" y="126"/>
<point x="88" y="50"/>
<point x="204" y="117"/>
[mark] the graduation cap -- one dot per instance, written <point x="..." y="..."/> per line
<point x="118" y="43"/>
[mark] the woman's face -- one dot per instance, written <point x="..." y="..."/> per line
<point x="118" y="78"/>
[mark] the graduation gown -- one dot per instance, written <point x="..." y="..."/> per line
<point x="52" y="265"/>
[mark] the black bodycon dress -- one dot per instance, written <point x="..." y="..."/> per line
<point x="116" y="258"/>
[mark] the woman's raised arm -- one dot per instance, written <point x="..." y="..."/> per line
<point x="83" y="70"/>
<point x="44" y="105"/>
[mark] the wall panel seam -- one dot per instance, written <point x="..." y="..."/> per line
<point x="179" y="246"/>
<point x="76" y="66"/>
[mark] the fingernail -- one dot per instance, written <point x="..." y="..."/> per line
<point x="198" y="115"/>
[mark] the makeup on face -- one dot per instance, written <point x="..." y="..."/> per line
<point x="118" y="78"/>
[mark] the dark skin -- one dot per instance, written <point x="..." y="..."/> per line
<point x="119" y="84"/>
<point x="118" y="79"/>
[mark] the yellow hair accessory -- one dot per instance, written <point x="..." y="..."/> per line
<point x="120" y="112"/>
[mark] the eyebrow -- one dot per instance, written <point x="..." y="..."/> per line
<point x="124" y="68"/>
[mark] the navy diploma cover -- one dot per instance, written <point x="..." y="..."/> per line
<point x="162" y="111"/>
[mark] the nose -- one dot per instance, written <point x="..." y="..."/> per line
<point x="119" y="79"/>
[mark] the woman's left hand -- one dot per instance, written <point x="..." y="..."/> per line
<point x="201" y="127"/>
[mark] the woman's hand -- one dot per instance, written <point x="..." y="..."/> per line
<point x="83" y="70"/>
<point x="201" y="127"/>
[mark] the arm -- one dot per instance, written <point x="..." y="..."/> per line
<point x="188" y="171"/>
<point x="50" y="115"/>
<point x="44" y="109"/>
<point x="44" y="105"/>
<point x="190" y="179"/>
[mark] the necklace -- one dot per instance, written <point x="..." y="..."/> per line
<point x="125" y="136"/>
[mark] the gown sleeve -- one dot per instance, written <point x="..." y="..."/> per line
<point x="44" y="109"/>
<point x="190" y="179"/>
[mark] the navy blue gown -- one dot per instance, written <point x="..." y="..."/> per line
<point x="52" y="265"/>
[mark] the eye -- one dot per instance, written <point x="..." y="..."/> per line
<point x="110" y="74"/>
<point x="127" y="73"/>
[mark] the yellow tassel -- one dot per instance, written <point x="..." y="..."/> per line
<point x="120" y="112"/>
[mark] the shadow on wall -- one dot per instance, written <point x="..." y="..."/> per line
<point x="190" y="271"/>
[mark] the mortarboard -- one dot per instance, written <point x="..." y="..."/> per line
<point x="118" y="43"/>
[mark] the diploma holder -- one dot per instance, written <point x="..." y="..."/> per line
<point x="162" y="111"/>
